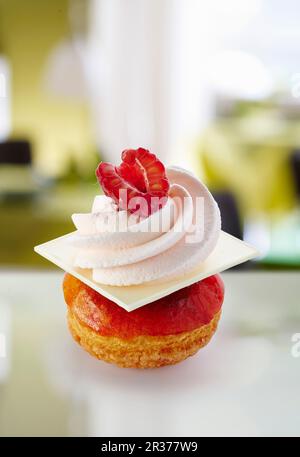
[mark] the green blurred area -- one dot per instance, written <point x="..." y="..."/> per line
<point x="250" y="156"/>
<point x="58" y="128"/>
<point x="28" y="222"/>
<point x="246" y="153"/>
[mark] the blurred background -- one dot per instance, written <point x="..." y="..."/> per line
<point x="211" y="86"/>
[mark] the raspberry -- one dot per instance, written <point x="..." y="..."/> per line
<point x="140" y="176"/>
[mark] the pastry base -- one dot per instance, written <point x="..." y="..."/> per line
<point x="142" y="351"/>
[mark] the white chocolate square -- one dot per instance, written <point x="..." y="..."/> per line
<point x="228" y="252"/>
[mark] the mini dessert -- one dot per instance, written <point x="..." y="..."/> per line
<point x="162" y="333"/>
<point x="152" y="225"/>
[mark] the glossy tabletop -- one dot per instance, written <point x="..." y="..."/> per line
<point x="245" y="382"/>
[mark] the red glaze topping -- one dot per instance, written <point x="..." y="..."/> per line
<point x="141" y="177"/>
<point x="184" y="310"/>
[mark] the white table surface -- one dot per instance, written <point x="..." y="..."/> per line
<point x="246" y="382"/>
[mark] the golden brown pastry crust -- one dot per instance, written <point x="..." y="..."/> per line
<point x="142" y="351"/>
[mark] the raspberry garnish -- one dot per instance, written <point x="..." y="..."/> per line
<point x="139" y="184"/>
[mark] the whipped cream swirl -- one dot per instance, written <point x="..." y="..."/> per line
<point x="123" y="249"/>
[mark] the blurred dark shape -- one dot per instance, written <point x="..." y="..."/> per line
<point x="295" y="162"/>
<point x="18" y="180"/>
<point x="15" y="152"/>
<point x="231" y="222"/>
<point x="81" y="171"/>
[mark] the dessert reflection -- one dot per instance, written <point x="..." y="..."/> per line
<point x="184" y="399"/>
